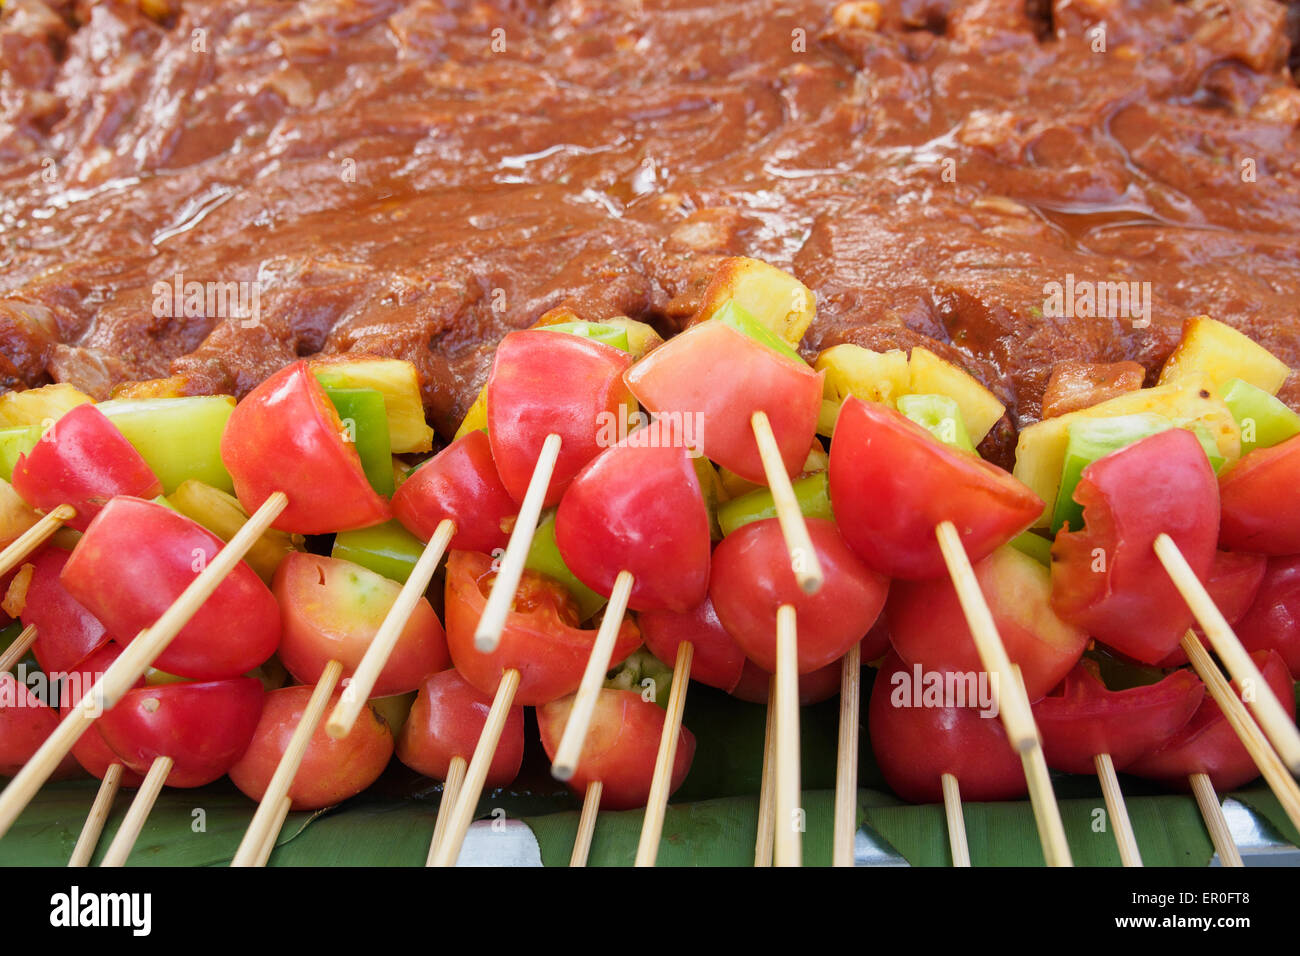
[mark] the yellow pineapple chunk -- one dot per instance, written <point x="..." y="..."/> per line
<point x="171" y="387"/>
<point x="397" y="381"/>
<point x="223" y="515"/>
<point x="776" y="299"/>
<point x="931" y="375"/>
<point x="16" y="516"/>
<point x="37" y="406"/>
<point x="641" y="338"/>
<point x="1212" y="353"/>
<point x="853" y="370"/>
<point x="476" y="418"/>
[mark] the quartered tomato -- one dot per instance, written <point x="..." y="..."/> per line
<point x="91" y="750"/>
<point x="1233" y="583"/>
<point x="550" y="382"/>
<point x="1207" y="743"/>
<point x="286" y="436"/>
<point x="621" y="746"/>
<point x="718" y="377"/>
<point x="460" y="483"/>
<point x="752" y="579"/>
<point x="717" y="660"/>
<point x="1083" y="718"/>
<point x="332" y="609"/>
<point x="892" y="483"/>
<point x="447" y="720"/>
<point x="541" y="638"/>
<point x="637" y="507"/>
<point x="332" y="770"/>
<point x="203" y="727"/>
<point x="916" y="745"/>
<point x="134" y="561"/>
<point x="1273" y="621"/>
<point x="25" y="722"/>
<point x="66" y="632"/>
<point x="755" y="684"/>
<point x="82" y="460"/>
<point x="927" y="626"/>
<point x="1106" y="578"/>
<point x="1251" y="491"/>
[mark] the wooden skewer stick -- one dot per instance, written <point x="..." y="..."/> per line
<point x="803" y="556"/>
<point x="462" y="814"/>
<point x="956" y="821"/>
<point x="1047" y="814"/>
<point x="652" y="825"/>
<point x="1117" y="809"/>
<point x="450" y="790"/>
<point x="99" y="810"/>
<point x="1270" y="765"/>
<point x="263" y="824"/>
<point x="846" y="774"/>
<point x="1279" y="727"/>
<point x="273" y="833"/>
<point x="130" y="666"/>
<point x="1215" y="822"/>
<point x="586" y="824"/>
<point x="15" y="651"/>
<point x="133" y="822"/>
<point x="788" y="847"/>
<point x="767" y="785"/>
<point x="35" y="536"/>
<point x="493" y="620"/>
<point x="593" y="678"/>
<point x="355" y="695"/>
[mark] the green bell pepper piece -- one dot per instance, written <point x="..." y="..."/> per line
<point x="544" y="558"/>
<point x="940" y="416"/>
<point x="1034" y="545"/>
<point x="730" y="313"/>
<point x="812" y="493"/>
<point x="387" y="549"/>
<point x="366" y="419"/>
<point x="179" y="438"/>
<point x="605" y="334"/>
<point x="639" y="667"/>
<point x="1264" y="420"/>
<point x="15" y="442"/>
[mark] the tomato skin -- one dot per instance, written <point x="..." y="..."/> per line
<point x="892" y="483"/>
<point x="460" y="483"/>
<point x="716" y="660"/>
<point x="638" y="509"/>
<point x="134" y="561"/>
<point x="1251" y="491"/>
<point x="752" y="579"/>
<point x="1207" y="743"/>
<point x="91" y="750"/>
<point x="540" y="639"/>
<point x="755" y="684"/>
<point x="332" y="770"/>
<point x="723" y="376"/>
<point x="447" y="720"/>
<point x="1273" y="621"/>
<point x="916" y="746"/>
<point x="927" y="626"/>
<point x="203" y="727"/>
<point x="331" y="609"/>
<point x="1161" y="484"/>
<point x="1233" y="583"/>
<point x="544" y="382"/>
<point x="85" y="463"/>
<point x="1087" y="719"/>
<point x="286" y="436"/>
<point x="66" y="633"/>
<point x="24" y="724"/>
<point x="621" y="746"/>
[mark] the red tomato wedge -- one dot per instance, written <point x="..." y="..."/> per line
<point x="447" y="720"/>
<point x="718" y="377"/>
<point x="25" y="722"/>
<point x="717" y="660"/>
<point x="332" y="770"/>
<point x="1251" y="492"/>
<point x="134" y="561"/>
<point x="1273" y="621"/>
<point x="66" y="633"/>
<point x="755" y="684"/>
<point x="620" y="748"/>
<point x="460" y="483"/>
<point x="91" y="750"/>
<point x="544" y="382"/>
<point x="1207" y="743"/>
<point x="892" y="483"/>
<point x="203" y="727"/>
<point x="916" y="745"/>
<point x="1083" y="718"/>
<point x="1106" y="578"/>
<point x="541" y="638"/>
<point x="332" y="609"/>
<point x="82" y="460"/>
<point x="638" y="507"/>
<point x="1233" y="583"/>
<point x="927" y="626"/>
<point x="286" y="436"/>
<point x="752" y="578"/>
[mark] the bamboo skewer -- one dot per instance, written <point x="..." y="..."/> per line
<point x="462" y="814"/>
<point x="35" y="536"/>
<point x="652" y="826"/>
<point x="15" y="651"/>
<point x="766" y="802"/>
<point x="1215" y="822"/>
<point x="1117" y="809"/>
<point x="493" y="620"/>
<point x="132" y="663"/>
<point x="956" y="822"/>
<point x="99" y="810"/>
<point x="450" y="790"/>
<point x="273" y="833"/>
<point x="133" y="822"/>
<point x="263" y="824"/>
<point x="803" y="556"/>
<point x="788" y="845"/>
<point x="846" y="774"/>
<point x="586" y="824"/>
<point x="1279" y="727"/>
